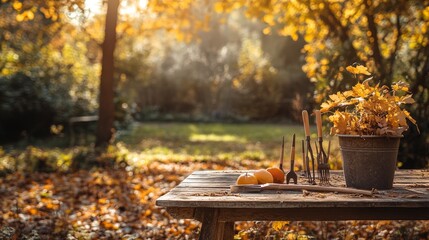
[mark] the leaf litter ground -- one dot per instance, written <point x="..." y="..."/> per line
<point x="120" y="204"/>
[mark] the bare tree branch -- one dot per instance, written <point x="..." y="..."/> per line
<point x="374" y="42"/>
<point x="392" y="58"/>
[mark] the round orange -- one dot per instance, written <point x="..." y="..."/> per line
<point x="263" y="176"/>
<point x="278" y="174"/>
<point x="246" y="178"/>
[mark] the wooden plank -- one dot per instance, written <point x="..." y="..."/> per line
<point x="213" y="175"/>
<point x="212" y="178"/>
<point x="284" y="201"/>
<point x="323" y="214"/>
<point x="416" y="193"/>
<point x="205" y="172"/>
<point x="311" y="214"/>
<point x="208" y="189"/>
<point x="204" y="184"/>
<point x="181" y="213"/>
<point x="402" y="176"/>
<point x="199" y="180"/>
<point x="180" y="190"/>
<point x="297" y="187"/>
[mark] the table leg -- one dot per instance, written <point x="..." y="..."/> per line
<point x="211" y="228"/>
<point x="210" y="224"/>
<point x="227" y="231"/>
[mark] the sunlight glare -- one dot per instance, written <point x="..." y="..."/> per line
<point x="93" y="7"/>
<point x="215" y="138"/>
<point x="131" y="8"/>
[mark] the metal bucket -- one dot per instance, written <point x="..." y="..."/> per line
<point x="369" y="161"/>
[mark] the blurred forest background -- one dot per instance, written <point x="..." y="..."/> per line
<point x="205" y="61"/>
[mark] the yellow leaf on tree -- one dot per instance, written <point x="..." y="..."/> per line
<point x="337" y="97"/>
<point x="325" y="107"/>
<point x="267" y="30"/>
<point x="219" y="7"/>
<point x="359" y="69"/>
<point x="269" y="19"/>
<point x="352" y="69"/>
<point x="362" y="70"/>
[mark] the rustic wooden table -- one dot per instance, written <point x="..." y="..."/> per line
<point x="206" y="197"/>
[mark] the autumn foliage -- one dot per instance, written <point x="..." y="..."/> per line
<point x="369" y="110"/>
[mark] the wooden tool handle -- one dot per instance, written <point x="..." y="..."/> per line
<point x="304" y="164"/>
<point x="296" y="187"/>
<point x="318" y="123"/>
<point x="306" y="123"/>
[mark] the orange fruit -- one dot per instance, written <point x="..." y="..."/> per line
<point x="263" y="176"/>
<point x="278" y="174"/>
<point x="246" y="178"/>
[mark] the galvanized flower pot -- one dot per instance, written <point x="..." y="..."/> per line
<point x="369" y="161"/>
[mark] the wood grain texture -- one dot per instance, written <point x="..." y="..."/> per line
<point x="297" y="187"/>
<point x="210" y="189"/>
<point x="228" y="231"/>
<point x="306" y="123"/>
<point x="322" y="214"/>
<point x="210" y="225"/>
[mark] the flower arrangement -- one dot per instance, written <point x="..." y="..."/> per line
<point x="369" y="110"/>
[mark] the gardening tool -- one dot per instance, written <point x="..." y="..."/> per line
<point x="318" y="159"/>
<point x="248" y="188"/>
<point x="291" y="174"/>
<point x="322" y="157"/>
<point x="329" y="150"/>
<point x="304" y="164"/>
<point x="309" y="151"/>
<point x="281" y="154"/>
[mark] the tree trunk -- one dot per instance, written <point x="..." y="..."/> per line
<point x="106" y="101"/>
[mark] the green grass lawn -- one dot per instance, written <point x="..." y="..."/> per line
<point x="215" y="141"/>
<point x="239" y="145"/>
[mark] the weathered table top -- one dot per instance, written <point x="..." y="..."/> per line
<point x="206" y="196"/>
<point x="409" y="199"/>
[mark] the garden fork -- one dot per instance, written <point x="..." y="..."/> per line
<point x="309" y="151"/>
<point x="322" y="157"/>
<point x="291" y="174"/>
